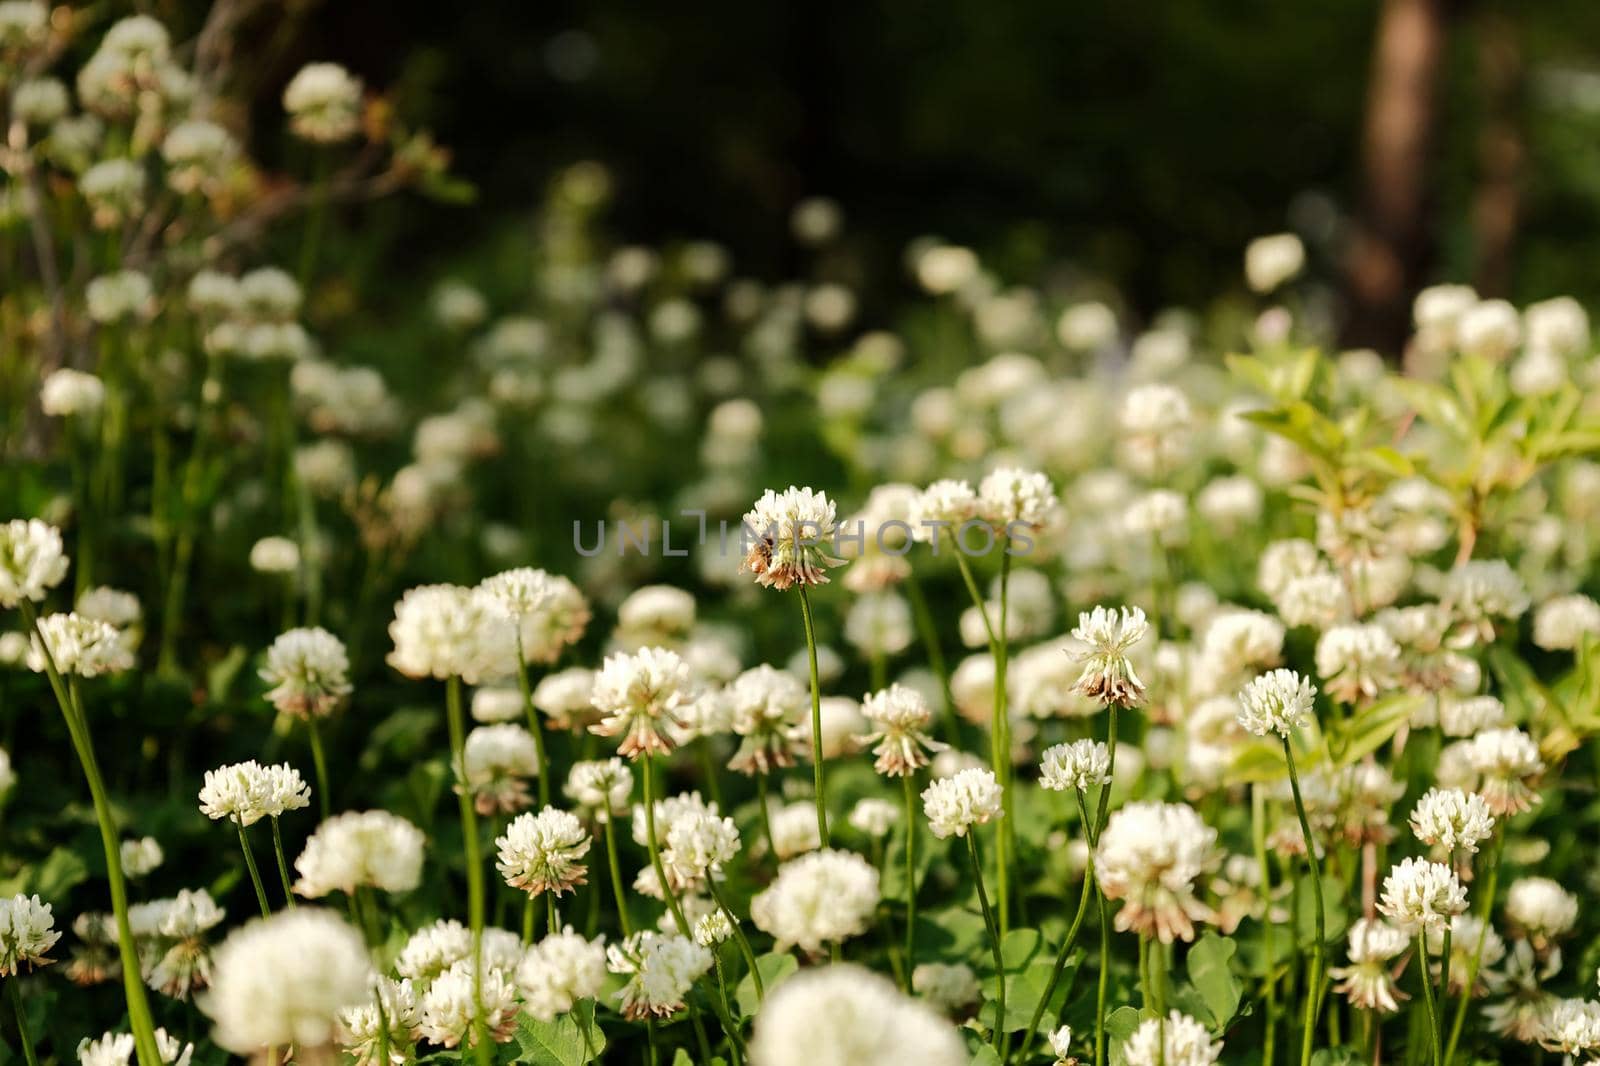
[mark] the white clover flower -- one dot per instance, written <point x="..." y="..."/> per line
<point x="1469" y="717"/>
<point x="1061" y="1044"/>
<point x="114" y="297"/>
<point x="1466" y="932"/>
<point x="943" y="507"/>
<point x="77" y="645"/>
<point x="448" y="1006"/>
<point x="1160" y="515"/>
<point x="766" y="705"/>
<point x="842" y="726"/>
<point x="1452" y="820"/>
<point x="955" y="804"/>
<point x="660" y="969"/>
<point x="1480" y="591"/>
<point x="1559" y="326"/>
<point x="564" y="697"/>
<point x="1541" y="910"/>
<point x="900" y="717"/>
<point x="698" y="845"/>
<point x="874" y="817"/>
<point x="541" y="852"/>
<point x="1271" y="261"/>
<point x="1560" y="624"/>
<point x="390" y="1016"/>
<point x="174" y="956"/>
<point x="560" y="970"/>
<point x="1318" y="600"/>
<point x="198" y="154"/>
<point x="140" y="857"/>
<point x="214" y="294"/>
<point x="1357" y="661"/>
<point x="324" y="103"/>
<point x="359" y="848"/>
<point x="1009" y="497"/>
<point x="1284" y="560"/>
<point x="1080" y="765"/>
<point x="602" y="788"/>
<point x="794" y="830"/>
<point x="1176" y="1040"/>
<point x="24" y="24"/>
<point x="1276" y="702"/>
<point x="247" y="792"/>
<point x="640" y="697"/>
<point x="789" y="534"/>
<point x="497" y="761"/>
<point x="1507" y="762"/>
<point x="309" y="670"/>
<point x="283" y="980"/>
<point x="548" y="610"/>
<point x="1367" y="981"/>
<point x="879" y="623"/>
<point x="275" y="555"/>
<point x="1109" y="635"/>
<point x="67" y="393"/>
<point x="446" y="631"/>
<point x="1571" y="1027"/>
<point x="32" y="561"/>
<point x="821" y="897"/>
<point x="947" y="987"/>
<point x="433" y="949"/>
<point x="1419" y="895"/>
<point x="868" y="1020"/>
<point x="655" y="614"/>
<point x="713" y="928"/>
<point x="27" y="933"/>
<point x="117" y="1049"/>
<point x="1490" y="329"/>
<point x="1149" y="856"/>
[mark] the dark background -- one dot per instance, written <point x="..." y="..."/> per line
<point x="1142" y="142"/>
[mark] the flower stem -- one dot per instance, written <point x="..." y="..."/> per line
<point x="552" y="920"/>
<point x="994" y="945"/>
<point x="655" y="847"/>
<point x="1318" y="947"/>
<point x="1485" y="905"/>
<point x="283" y="865"/>
<point x="255" y="874"/>
<point x="1258" y="832"/>
<point x="474" y="861"/>
<point x="66" y="693"/>
<point x="999" y="744"/>
<point x="1427" y="997"/>
<point x="15" y="991"/>
<point x="616" y="875"/>
<point x="527" y="921"/>
<point x="816" y="718"/>
<point x="729" y="1026"/>
<point x="1066" y="945"/>
<point x="738" y="934"/>
<point x="533" y="722"/>
<point x="910" y="791"/>
<point x="319" y="760"/>
<point x="1102" y="812"/>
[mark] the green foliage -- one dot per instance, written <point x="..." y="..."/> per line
<point x="570" y="1039"/>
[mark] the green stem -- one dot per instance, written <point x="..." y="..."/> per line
<point x="655" y="848"/>
<point x="729" y="1026"/>
<point x="66" y="693"/>
<point x="527" y="921"/>
<point x="474" y="861"/>
<point x="816" y="718"/>
<point x="1485" y="906"/>
<point x="552" y="920"/>
<point x="1258" y="832"/>
<point x="908" y="787"/>
<point x="283" y="865"/>
<point x="533" y="722"/>
<point x="1066" y="945"/>
<point x="1444" y="983"/>
<point x="1102" y="813"/>
<point x="15" y="991"/>
<point x="1313" y="991"/>
<point x="999" y="745"/>
<point x="255" y="874"/>
<point x="994" y="945"/>
<point x="1427" y="998"/>
<point x="616" y="875"/>
<point x="738" y="934"/>
<point x="766" y="815"/>
<point x="319" y="761"/>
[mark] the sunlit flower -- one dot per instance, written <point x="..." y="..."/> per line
<point x="1419" y="895"/>
<point x="789" y="535"/>
<point x="360" y="848"/>
<point x="1109" y="635"/>
<point x="1368" y="980"/>
<point x="1149" y="856"/>
<point x="640" y="696"/>
<point x="541" y="852"/>
<point x="821" y="897"/>
<point x="309" y="671"/>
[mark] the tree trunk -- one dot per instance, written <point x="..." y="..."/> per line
<point x="1497" y="205"/>
<point x="1390" y="248"/>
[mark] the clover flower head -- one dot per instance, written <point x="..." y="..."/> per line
<point x="540" y="852"/>
<point x="1276" y="702"/>
<point x="1109" y="635"/>
<point x="789" y="534"/>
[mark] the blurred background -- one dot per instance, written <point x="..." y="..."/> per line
<point x="1407" y="141"/>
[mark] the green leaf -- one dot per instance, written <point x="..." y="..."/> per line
<point x="681" y="1057"/>
<point x="1024" y="991"/>
<point x="1212" y="976"/>
<point x="570" y="1039"/>
<point x="1256" y="762"/>
<point x="775" y="966"/>
<point x="1372" y="727"/>
<point x="1018" y="947"/>
<point x="986" y="1056"/>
